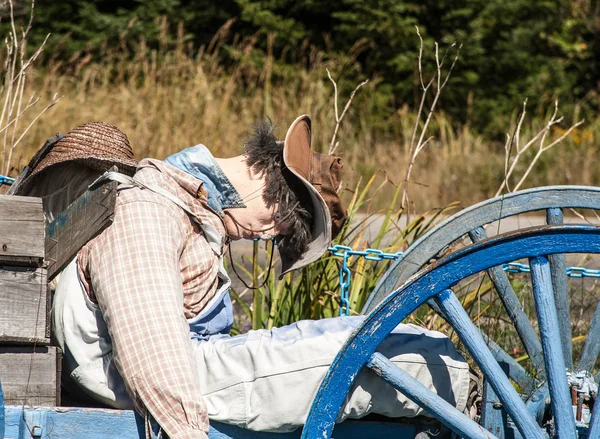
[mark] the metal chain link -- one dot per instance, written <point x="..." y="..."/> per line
<point x="4" y="180"/>
<point x="345" y="276"/>
<point x="575" y="272"/>
<point x="371" y="254"/>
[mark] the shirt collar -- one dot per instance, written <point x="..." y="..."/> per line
<point x="200" y="163"/>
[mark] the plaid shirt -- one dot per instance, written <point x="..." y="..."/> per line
<point x="150" y="271"/>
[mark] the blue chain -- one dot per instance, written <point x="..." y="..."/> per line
<point x="345" y="252"/>
<point x="371" y="254"/>
<point x="6" y="180"/>
<point x="575" y="272"/>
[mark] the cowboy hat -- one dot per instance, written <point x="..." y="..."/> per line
<point x="321" y="176"/>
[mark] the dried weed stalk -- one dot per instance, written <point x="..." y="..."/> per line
<point x="16" y="69"/>
<point x="338" y="119"/>
<point x="513" y="145"/>
<point x="418" y="141"/>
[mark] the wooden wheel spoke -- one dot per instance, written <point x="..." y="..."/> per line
<point x="514" y="309"/>
<point x="558" y="270"/>
<point x="591" y="349"/>
<point x="551" y="343"/>
<point x="516" y="372"/>
<point x="473" y="341"/>
<point x="417" y="392"/>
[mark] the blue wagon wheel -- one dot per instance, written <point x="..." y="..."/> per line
<point x="470" y="222"/>
<point x="434" y="282"/>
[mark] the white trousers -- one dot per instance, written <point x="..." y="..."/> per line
<point x="264" y="380"/>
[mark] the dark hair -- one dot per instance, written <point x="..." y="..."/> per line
<point x="265" y="155"/>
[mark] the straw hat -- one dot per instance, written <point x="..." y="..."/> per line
<point x="98" y="145"/>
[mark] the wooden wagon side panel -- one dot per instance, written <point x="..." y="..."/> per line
<point x="85" y="218"/>
<point x="21" y="230"/>
<point x="25" y="305"/>
<point x="31" y="375"/>
<point x="76" y="423"/>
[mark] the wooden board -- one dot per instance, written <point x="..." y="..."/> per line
<point x="77" y="423"/>
<point x="24" y="305"/>
<point x="21" y="230"/>
<point x="85" y="218"/>
<point x="31" y="378"/>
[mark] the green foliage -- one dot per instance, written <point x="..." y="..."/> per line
<point x="512" y="50"/>
<point x="314" y="293"/>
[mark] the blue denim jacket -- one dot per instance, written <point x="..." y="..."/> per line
<point x="217" y="318"/>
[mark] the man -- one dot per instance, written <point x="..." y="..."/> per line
<point x="143" y="313"/>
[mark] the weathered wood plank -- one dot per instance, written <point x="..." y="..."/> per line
<point x="24" y="305"/>
<point x="77" y="423"/>
<point x="21" y="230"/>
<point x="85" y="218"/>
<point x="31" y="378"/>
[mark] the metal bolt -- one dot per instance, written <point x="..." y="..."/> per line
<point x="36" y="431"/>
<point x="497" y="405"/>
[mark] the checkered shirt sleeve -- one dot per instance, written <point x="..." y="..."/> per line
<point x="135" y="274"/>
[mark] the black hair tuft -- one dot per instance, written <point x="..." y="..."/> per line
<point x="265" y="155"/>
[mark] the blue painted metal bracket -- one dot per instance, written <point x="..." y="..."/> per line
<point x="493" y="418"/>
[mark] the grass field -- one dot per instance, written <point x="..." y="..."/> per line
<point x="169" y="98"/>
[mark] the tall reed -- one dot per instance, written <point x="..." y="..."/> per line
<point x="314" y="293"/>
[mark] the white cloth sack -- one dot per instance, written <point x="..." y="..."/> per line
<point x="264" y="380"/>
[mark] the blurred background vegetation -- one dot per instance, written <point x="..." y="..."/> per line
<point x="172" y="73"/>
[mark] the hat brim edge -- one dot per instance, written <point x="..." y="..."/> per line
<point x="321" y="229"/>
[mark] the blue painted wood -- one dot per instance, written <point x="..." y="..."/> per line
<point x="77" y="423"/>
<point x="538" y="401"/>
<point x="493" y="418"/>
<point x="514" y="309"/>
<point x="516" y="372"/>
<point x="421" y="287"/>
<point x="591" y="349"/>
<point x="435" y="405"/>
<point x="543" y="294"/>
<point x="558" y="269"/>
<point x="473" y="341"/>
<point x="2" y="414"/>
<point x="453" y="228"/>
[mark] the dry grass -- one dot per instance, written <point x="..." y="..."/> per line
<point x="172" y="97"/>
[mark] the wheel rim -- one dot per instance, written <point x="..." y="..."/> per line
<point x="434" y="282"/>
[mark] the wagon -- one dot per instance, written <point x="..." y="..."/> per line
<point x="555" y="398"/>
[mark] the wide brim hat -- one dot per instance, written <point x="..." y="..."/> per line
<point x="98" y="145"/>
<point x="321" y="175"/>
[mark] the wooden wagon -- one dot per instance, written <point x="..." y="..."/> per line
<point x="552" y="403"/>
